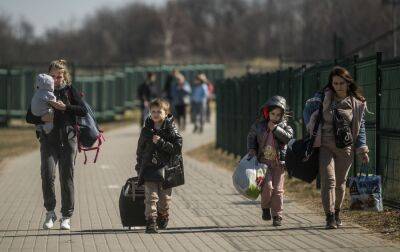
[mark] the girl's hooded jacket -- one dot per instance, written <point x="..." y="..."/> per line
<point x="283" y="133"/>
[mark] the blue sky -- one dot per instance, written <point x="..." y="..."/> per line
<point x="44" y="14"/>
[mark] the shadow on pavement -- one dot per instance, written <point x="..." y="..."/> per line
<point x="176" y="230"/>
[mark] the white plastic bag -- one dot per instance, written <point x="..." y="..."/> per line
<point x="245" y="175"/>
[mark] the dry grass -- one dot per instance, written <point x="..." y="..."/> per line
<point x="258" y="65"/>
<point x="14" y="141"/>
<point x="21" y="138"/>
<point x="386" y="223"/>
<point x="208" y="152"/>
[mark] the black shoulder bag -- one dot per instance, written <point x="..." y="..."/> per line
<point x="174" y="173"/>
<point x="302" y="159"/>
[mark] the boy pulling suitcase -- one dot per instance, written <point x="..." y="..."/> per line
<point x="159" y="147"/>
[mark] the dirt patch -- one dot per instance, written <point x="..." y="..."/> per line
<point x="386" y="223"/>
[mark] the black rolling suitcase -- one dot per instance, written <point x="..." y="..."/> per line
<point x="131" y="204"/>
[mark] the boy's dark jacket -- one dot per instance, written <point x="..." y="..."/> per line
<point x="167" y="151"/>
<point x="283" y="133"/>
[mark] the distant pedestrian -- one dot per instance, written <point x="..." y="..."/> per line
<point x="181" y="99"/>
<point x="199" y="102"/>
<point x="146" y="92"/>
<point x="210" y="96"/>
<point x="170" y="82"/>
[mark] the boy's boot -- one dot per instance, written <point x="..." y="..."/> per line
<point x="266" y="214"/>
<point x="162" y="221"/>
<point x="277" y="221"/>
<point x="339" y="222"/>
<point x="151" y="226"/>
<point x="330" y="221"/>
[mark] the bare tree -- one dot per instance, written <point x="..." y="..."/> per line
<point x="207" y="30"/>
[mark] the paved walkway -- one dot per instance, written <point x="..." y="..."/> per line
<point x="207" y="213"/>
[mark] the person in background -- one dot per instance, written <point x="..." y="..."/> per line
<point x="170" y="82"/>
<point x="180" y="99"/>
<point x="210" y="96"/>
<point x="199" y="101"/>
<point x="146" y="92"/>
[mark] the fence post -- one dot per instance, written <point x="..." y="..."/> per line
<point x="378" y="114"/>
<point x="303" y="98"/>
<point x="318" y="183"/>
<point x="8" y="98"/>
<point x="73" y="72"/>
<point x="355" y="59"/>
<point x="289" y="85"/>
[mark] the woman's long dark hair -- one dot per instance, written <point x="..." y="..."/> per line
<point x="354" y="89"/>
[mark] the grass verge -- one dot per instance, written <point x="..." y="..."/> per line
<point x="21" y="138"/>
<point x="386" y="223"/>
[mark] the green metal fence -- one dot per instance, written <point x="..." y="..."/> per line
<point x="110" y="93"/>
<point x="239" y="99"/>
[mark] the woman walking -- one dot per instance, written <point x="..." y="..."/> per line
<point x="58" y="147"/>
<point x="342" y="129"/>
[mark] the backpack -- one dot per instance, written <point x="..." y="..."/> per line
<point x="88" y="132"/>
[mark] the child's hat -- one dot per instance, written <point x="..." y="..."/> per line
<point x="45" y="81"/>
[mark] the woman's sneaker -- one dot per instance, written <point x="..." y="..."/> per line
<point x="266" y="214"/>
<point x="50" y="219"/>
<point x="65" y="223"/>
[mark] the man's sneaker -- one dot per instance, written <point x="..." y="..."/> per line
<point x="50" y="219"/>
<point x="65" y="223"/>
<point x="277" y="221"/>
<point x="339" y="222"/>
<point x="266" y="214"/>
<point x="330" y="221"/>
